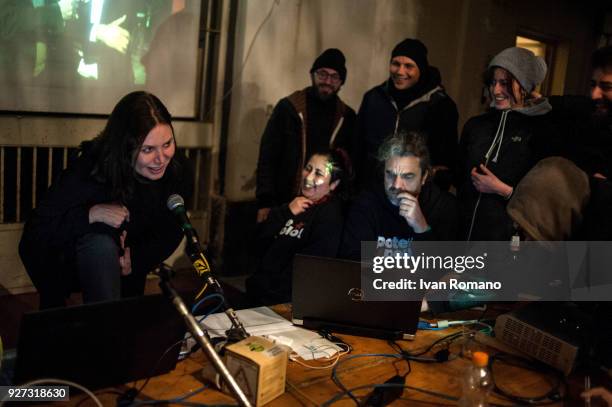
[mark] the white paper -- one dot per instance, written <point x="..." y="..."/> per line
<point x="262" y="321"/>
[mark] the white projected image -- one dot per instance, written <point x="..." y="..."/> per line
<point x="81" y="56"/>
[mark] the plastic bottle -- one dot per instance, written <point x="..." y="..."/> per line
<point x="477" y="382"/>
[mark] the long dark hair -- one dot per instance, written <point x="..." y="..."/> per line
<point x="115" y="149"/>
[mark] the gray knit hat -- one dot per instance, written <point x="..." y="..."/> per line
<point x="528" y="69"/>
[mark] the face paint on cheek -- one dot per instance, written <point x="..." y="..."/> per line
<point x="314" y="183"/>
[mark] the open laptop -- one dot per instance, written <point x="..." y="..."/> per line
<point x="100" y="344"/>
<point x="322" y="299"/>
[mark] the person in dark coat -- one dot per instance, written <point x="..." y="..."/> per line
<point x="309" y="120"/>
<point x="413" y="98"/>
<point x="499" y="147"/>
<point x="310" y="224"/>
<point x="403" y="207"/>
<point x="104" y="221"/>
<point x="599" y="141"/>
<point x="585" y="124"/>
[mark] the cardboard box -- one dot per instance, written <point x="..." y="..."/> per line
<point x="260" y="368"/>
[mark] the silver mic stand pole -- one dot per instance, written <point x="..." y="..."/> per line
<point x="201" y="336"/>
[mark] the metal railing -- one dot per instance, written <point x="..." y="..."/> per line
<point x="26" y="173"/>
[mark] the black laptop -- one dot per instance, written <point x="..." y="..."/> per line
<point x="100" y="344"/>
<point x="323" y="297"/>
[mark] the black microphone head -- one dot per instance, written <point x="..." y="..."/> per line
<point x="174" y="201"/>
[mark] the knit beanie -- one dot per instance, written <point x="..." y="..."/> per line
<point x="413" y="49"/>
<point x="528" y="69"/>
<point x="331" y="58"/>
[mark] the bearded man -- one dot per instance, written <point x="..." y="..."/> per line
<point x="309" y="120"/>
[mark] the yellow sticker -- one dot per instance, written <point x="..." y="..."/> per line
<point x="201" y="266"/>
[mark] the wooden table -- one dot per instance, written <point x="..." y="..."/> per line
<point x="314" y="387"/>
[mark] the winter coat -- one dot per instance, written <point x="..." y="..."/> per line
<point x="431" y="111"/>
<point x="509" y="143"/>
<point x="289" y="140"/>
<point x="587" y="141"/>
<point x="47" y="247"/>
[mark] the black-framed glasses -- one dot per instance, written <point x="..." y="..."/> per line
<point x="323" y="75"/>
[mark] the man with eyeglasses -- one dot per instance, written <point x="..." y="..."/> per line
<point x="307" y="121"/>
<point x="412" y="99"/>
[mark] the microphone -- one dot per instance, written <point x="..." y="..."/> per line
<point x="176" y="204"/>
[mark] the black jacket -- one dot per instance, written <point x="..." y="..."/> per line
<point x="526" y="140"/>
<point x="587" y="141"/>
<point x="373" y="218"/>
<point x="316" y="232"/>
<point x="431" y="111"/>
<point x="300" y="125"/>
<point x="47" y="246"/>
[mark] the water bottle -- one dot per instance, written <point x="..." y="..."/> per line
<point x="477" y="382"/>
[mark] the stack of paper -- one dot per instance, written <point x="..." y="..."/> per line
<point x="262" y="321"/>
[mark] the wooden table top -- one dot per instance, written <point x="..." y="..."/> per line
<point x="306" y="386"/>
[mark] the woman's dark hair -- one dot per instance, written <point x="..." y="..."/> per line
<point x="489" y="75"/>
<point x="115" y="149"/>
<point x="341" y="169"/>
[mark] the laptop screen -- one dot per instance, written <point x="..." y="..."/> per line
<point x="323" y="296"/>
<point x="100" y="344"/>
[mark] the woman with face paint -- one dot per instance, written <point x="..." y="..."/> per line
<point x="499" y="147"/>
<point x="310" y="224"/>
<point x="103" y="224"/>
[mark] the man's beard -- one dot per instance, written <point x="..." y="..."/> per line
<point x="602" y="112"/>
<point x="328" y="92"/>
<point x="392" y="197"/>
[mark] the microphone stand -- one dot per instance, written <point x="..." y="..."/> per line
<point x="237" y="332"/>
<point x="176" y="205"/>
<point x="200" y="336"/>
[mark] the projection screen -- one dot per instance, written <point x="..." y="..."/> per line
<point x="82" y="56"/>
